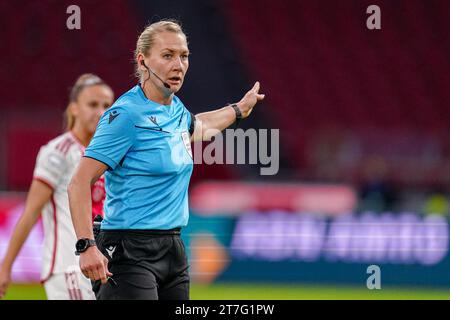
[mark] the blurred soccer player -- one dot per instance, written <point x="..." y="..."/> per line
<point x="55" y="165"/>
<point x="144" y="142"/>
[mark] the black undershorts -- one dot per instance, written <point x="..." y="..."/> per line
<point x="146" y="265"/>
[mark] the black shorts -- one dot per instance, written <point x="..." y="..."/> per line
<point x="146" y="265"/>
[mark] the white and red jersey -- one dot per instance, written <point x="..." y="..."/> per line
<point x="55" y="165"/>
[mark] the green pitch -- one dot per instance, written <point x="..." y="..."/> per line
<point x="271" y="291"/>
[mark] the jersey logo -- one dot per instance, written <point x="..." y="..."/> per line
<point x="111" y="250"/>
<point x="153" y="119"/>
<point x="112" y="116"/>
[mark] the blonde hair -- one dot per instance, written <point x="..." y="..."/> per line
<point x="83" y="81"/>
<point x="147" y="38"/>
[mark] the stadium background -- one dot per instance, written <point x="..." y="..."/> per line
<point x="364" y="137"/>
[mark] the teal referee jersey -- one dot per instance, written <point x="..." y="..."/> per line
<point x="146" y="147"/>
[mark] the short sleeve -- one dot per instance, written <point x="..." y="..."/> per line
<point x="114" y="136"/>
<point x="50" y="166"/>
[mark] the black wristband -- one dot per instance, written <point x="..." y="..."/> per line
<point x="237" y="111"/>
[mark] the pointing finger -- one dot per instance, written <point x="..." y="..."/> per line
<point x="256" y="87"/>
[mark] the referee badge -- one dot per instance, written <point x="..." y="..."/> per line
<point x="187" y="142"/>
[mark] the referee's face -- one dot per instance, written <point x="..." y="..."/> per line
<point x="169" y="59"/>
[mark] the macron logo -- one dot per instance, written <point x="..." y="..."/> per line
<point x="153" y="119"/>
<point x="111" y="250"/>
<point x="112" y="116"/>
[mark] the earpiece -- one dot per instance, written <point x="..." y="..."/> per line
<point x="150" y="70"/>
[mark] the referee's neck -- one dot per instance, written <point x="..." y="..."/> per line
<point x="157" y="95"/>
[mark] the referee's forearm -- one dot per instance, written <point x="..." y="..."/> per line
<point x="215" y="121"/>
<point x="81" y="207"/>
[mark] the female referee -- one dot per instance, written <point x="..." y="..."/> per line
<point x="56" y="162"/>
<point x="143" y="145"/>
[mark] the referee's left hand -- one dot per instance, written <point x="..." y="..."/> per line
<point x="249" y="100"/>
<point x="94" y="265"/>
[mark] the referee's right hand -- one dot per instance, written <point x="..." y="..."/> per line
<point x="94" y="265"/>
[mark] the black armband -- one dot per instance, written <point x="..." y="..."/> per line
<point x="192" y="126"/>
